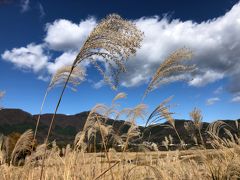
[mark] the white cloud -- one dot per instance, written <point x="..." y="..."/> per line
<point x="31" y="57"/>
<point x="65" y="59"/>
<point x="215" y="44"/>
<point x="207" y="77"/>
<point x="65" y="35"/>
<point x="212" y="101"/>
<point x="236" y="99"/>
<point x="25" y="5"/>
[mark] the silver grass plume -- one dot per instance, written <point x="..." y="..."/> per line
<point x="171" y="122"/>
<point x="120" y="95"/>
<point x="23" y="144"/>
<point x="215" y="127"/>
<point x="172" y="65"/>
<point x="2" y="93"/>
<point x="196" y="117"/>
<point x="157" y="114"/>
<point x="112" y="41"/>
<point x="138" y="112"/>
<point x="58" y="79"/>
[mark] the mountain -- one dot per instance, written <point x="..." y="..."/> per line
<point x="66" y="127"/>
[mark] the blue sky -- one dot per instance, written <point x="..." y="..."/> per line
<point x="37" y="37"/>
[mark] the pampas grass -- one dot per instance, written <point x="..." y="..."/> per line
<point x="196" y="118"/>
<point x="23" y="145"/>
<point x="2" y="93"/>
<point x="113" y="40"/>
<point x="58" y="79"/>
<point x="72" y="163"/>
<point x="172" y="65"/>
<point x="171" y="123"/>
<point x="109" y="45"/>
<point x="156" y="116"/>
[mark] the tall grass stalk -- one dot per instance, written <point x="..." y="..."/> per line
<point x="61" y="75"/>
<point x="52" y="120"/>
<point x="112" y="40"/>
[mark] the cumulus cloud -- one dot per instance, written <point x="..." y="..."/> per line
<point x="25" y="5"/>
<point x="215" y="44"/>
<point x="212" y="101"/>
<point x="65" y="35"/>
<point x="31" y="57"/>
<point x="65" y="59"/>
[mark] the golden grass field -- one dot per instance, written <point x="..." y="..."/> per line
<point x="190" y="164"/>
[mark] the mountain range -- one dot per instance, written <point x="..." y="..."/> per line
<point x="66" y="126"/>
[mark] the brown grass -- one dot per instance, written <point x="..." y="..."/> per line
<point x="201" y="164"/>
<point x="113" y="40"/>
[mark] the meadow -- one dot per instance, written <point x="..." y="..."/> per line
<point x="190" y="164"/>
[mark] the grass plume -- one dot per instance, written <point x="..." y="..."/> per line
<point x="172" y="65"/>
<point x="23" y="144"/>
<point x="58" y="79"/>
<point x="2" y="93"/>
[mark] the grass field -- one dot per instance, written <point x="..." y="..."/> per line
<point x="191" y="164"/>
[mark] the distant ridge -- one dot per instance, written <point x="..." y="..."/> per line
<point x="66" y="126"/>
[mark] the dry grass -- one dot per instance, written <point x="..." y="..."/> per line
<point x="171" y="66"/>
<point x="201" y="164"/>
<point x="2" y="93"/>
<point x="58" y="79"/>
<point x="112" y="42"/>
<point x="74" y="163"/>
<point x="194" y="127"/>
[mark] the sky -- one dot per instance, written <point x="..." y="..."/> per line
<point x="38" y="37"/>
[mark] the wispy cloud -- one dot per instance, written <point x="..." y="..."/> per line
<point x="41" y="10"/>
<point x="219" y="90"/>
<point x="25" y="5"/>
<point x="236" y="99"/>
<point x="98" y="84"/>
<point x="212" y="101"/>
